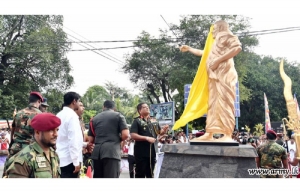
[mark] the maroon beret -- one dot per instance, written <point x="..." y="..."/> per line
<point x="199" y="134"/>
<point x="272" y="132"/>
<point x="45" y="122"/>
<point x="37" y="94"/>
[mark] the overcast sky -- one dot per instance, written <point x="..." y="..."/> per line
<point x="90" y="68"/>
<point x="125" y="20"/>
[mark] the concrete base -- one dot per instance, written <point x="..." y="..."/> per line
<point x="202" y="161"/>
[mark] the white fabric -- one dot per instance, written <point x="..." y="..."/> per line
<point x="8" y="137"/>
<point x="159" y="158"/>
<point x="70" y="140"/>
<point x="291" y="146"/>
<point x="131" y="149"/>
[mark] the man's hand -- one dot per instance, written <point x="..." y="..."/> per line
<point x="77" y="169"/>
<point x="184" y="48"/>
<point x="161" y="138"/>
<point x="164" y="129"/>
<point x="150" y="139"/>
<point x="90" y="147"/>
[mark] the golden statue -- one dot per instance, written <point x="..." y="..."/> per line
<point x="222" y="79"/>
<point x="293" y="122"/>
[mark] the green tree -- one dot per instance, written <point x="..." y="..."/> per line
<point x="159" y="69"/>
<point x="88" y="114"/>
<point x="55" y="100"/>
<point x="94" y="98"/>
<point x="7" y="106"/>
<point x="32" y="51"/>
<point x="263" y="77"/>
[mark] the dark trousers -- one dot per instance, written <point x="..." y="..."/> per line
<point x="131" y="162"/>
<point x="67" y="171"/>
<point x="106" y="168"/>
<point x="143" y="168"/>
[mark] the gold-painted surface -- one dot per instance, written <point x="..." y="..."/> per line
<point x="292" y="121"/>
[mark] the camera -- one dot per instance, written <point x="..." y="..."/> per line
<point x="243" y="136"/>
<point x="251" y="140"/>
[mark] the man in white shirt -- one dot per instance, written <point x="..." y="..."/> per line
<point x="70" y="138"/>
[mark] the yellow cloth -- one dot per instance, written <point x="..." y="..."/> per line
<point x="197" y="102"/>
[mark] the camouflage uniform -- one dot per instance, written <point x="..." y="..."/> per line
<point x="31" y="162"/>
<point x="23" y="132"/>
<point x="271" y="155"/>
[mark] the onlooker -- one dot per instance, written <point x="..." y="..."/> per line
<point x="107" y="130"/>
<point x="22" y="132"/>
<point x="44" y="105"/>
<point x="3" y="147"/>
<point x="70" y="138"/>
<point x="271" y="155"/>
<point x="85" y="151"/>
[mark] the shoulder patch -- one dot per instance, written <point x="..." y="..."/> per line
<point x="19" y="161"/>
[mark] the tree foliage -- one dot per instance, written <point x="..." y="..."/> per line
<point x="55" y="100"/>
<point x="159" y="69"/>
<point x="263" y="76"/>
<point x="32" y="53"/>
<point x="94" y="98"/>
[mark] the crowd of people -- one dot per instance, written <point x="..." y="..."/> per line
<point x="44" y="145"/>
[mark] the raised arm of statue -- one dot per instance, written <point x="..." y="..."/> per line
<point x="196" y="52"/>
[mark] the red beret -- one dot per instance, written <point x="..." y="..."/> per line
<point x="199" y="134"/>
<point x="272" y="132"/>
<point x="37" y="94"/>
<point x="45" y="122"/>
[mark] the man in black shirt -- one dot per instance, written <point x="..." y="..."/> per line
<point x="107" y="130"/>
<point x="145" y="134"/>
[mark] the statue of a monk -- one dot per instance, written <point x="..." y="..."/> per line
<point x="222" y="79"/>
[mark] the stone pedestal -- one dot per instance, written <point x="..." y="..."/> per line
<point x="203" y="161"/>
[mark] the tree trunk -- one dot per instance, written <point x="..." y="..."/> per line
<point x="152" y="91"/>
<point x="164" y="90"/>
<point x="8" y="126"/>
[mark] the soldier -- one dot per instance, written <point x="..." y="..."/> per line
<point x="38" y="160"/>
<point x="44" y="106"/>
<point x="145" y="134"/>
<point x="22" y="132"/>
<point x="271" y="155"/>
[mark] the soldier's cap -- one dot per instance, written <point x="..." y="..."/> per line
<point x="272" y="132"/>
<point x="37" y="94"/>
<point x="44" y="103"/>
<point x="45" y="122"/>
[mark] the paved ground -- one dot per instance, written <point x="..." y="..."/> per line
<point x="1" y="171"/>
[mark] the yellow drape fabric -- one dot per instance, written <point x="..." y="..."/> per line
<point x="197" y="102"/>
